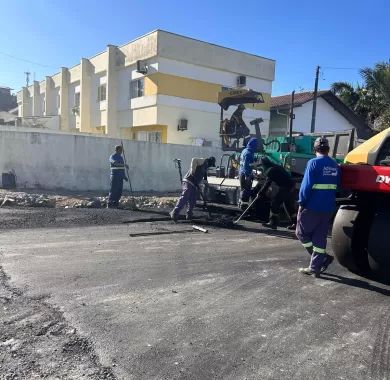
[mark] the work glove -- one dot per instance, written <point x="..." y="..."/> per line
<point x="126" y="179"/>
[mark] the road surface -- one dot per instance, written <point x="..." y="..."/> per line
<point x="157" y="300"/>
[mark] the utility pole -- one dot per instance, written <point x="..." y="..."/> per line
<point x="27" y="78"/>
<point x="292" y="116"/>
<point x="313" y="115"/>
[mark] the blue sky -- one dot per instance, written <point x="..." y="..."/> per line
<point x="298" y="34"/>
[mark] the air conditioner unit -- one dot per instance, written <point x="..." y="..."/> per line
<point x="241" y="81"/>
<point x="142" y="68"/>
<point x="182" y="125"/>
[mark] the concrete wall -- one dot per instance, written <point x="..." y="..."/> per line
<point x="80" y="162"/>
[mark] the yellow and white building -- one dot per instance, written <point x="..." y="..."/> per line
<point x="146" y="88"/>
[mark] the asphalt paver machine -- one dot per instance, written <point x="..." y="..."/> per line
<point x="291" y="151"/>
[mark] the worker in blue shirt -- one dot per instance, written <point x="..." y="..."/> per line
<point x="247" y="159"/>
<point x="118" y="174"/>
<point x="317" y="203"/>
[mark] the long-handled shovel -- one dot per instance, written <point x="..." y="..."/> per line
<point x="247" y="209"/>
<point x="132" y="205"/>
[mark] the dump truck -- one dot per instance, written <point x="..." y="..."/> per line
<point x="361" y="225"/>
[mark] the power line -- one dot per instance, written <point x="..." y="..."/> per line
<point x="28" y="61"/>
<point x="339" y="68"/>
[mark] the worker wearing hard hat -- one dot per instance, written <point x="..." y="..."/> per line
<point x="317" y="203"/>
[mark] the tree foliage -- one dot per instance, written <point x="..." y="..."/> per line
<point x="371" y="101"/>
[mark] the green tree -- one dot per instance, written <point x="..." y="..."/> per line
<point x="371" y="101"/>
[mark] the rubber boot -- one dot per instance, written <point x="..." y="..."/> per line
<point x="293" y="224"/>
<point x="243" y="205"/>
<point x="173" y="216"/>
<point x="273" y="222"/>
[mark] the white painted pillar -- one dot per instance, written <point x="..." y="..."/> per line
<point x="49" y="97"/>
<point x="112" y="122"/>
<point x="25" y="102"/>
<point x="85" y="96"/>
<point x="64" y="100"/>
<point x="36" y="106"/>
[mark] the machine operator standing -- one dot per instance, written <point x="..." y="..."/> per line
<point x="317" y="203"/>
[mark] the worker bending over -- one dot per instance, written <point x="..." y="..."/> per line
<point x="117" y="176"/>
<point x="190" y="186"/>
<point x="247" y="159"/>
<point x="285" y="194"/>
<point x="317" y="203"/>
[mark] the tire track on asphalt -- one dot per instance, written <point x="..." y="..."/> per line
<point x="380" y="367"/>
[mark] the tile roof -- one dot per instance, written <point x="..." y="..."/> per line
<point x="283" y="102"/>
<point x="300" y="98"/>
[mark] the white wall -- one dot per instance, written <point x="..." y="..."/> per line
<point x="327" y="118"/>
<point x="79" y="162"/>
<point x="173" y="46"/>
<point x="206" y="74"/>
<point x="201" y="123"/>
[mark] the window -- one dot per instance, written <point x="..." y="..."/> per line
<point x="77" y="99"/>
<point x="149" y="136"/>
<point x="136" y="88"/>
<point x="102" y="90"/>
<point x="154" y="137"/>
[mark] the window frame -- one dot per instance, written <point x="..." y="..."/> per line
<point x="100" y="93"/>
<point x="138" y="91"/>
<point x="77" y="99"/>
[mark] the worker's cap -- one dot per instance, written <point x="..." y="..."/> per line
<point x="211" y="161"/>
<point x="321" y="142"/>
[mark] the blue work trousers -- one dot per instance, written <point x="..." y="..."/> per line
<point x="187" y="197"/>
<point x="116" y="189"/>
<point x="312" y="231"/>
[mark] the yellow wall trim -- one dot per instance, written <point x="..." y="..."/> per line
<point x="172" y="85"/>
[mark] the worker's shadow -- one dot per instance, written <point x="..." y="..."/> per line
<point x="355" y="282"/>
<point x="284" y="234"/>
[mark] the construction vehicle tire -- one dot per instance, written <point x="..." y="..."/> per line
<point x="378" y="250"/>
<point x="349" y="238"/>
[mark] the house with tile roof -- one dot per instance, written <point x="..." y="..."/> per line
<point x="332" y="115"/>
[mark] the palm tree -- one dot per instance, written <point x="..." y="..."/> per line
<point x="347" y="93"/>
<point x="372" y="100"/>
<point x="377" y="83"/>
<point x="378" y="80"/>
